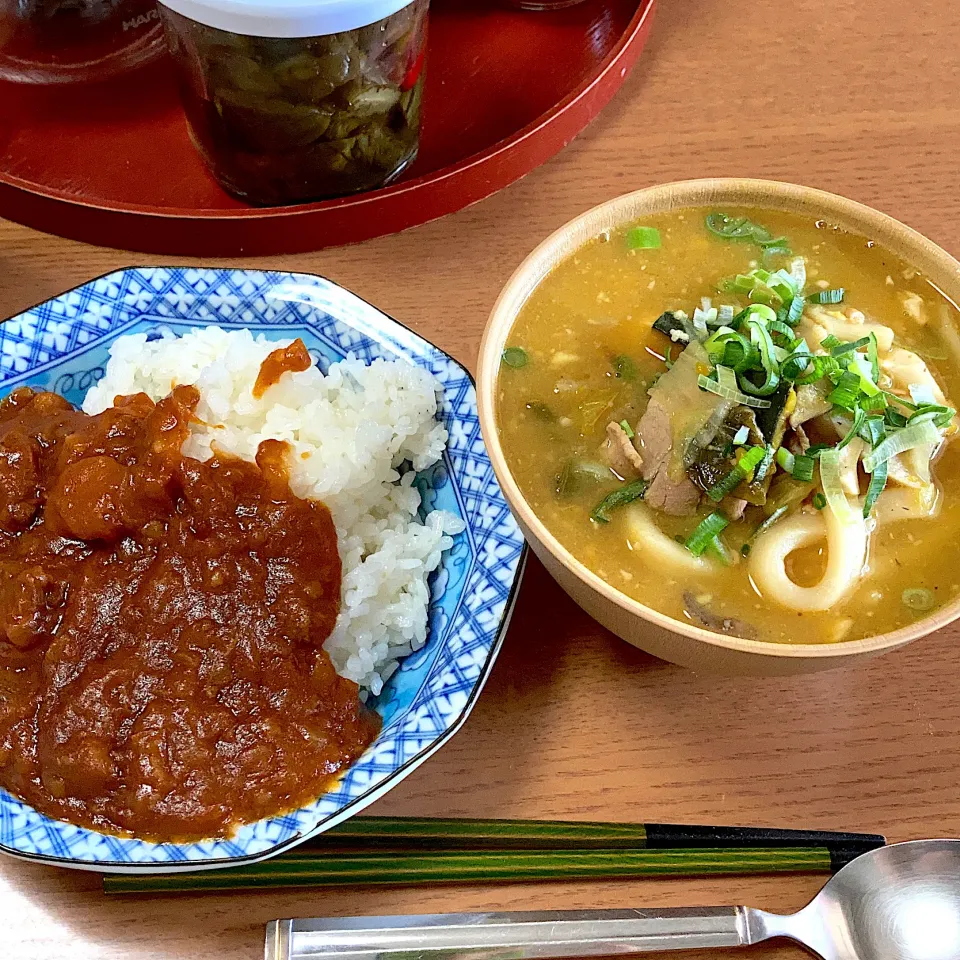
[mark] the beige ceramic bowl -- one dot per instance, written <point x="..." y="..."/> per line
<point x="654" y="632"/>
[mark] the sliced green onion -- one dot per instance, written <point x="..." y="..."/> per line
<point x="873" y="356"/>
<point x="763" y="527"/>
<point x="741" y="283"/>
<point x="819" y="500"/>
<point x="833" y="488"/>
<point x="729" y="228"/>
<point x="700" y="324"/>
<point x="751" y="459"/>
<point x="726" y="377"/>
<point x="619" y="498"/>
<point x="817" y="449"/>
<point x="740" y="437"/>
<point x="728" y="348"/>
<point x="643" y="238"/>
<point x="770" y="250"/>
<point x="827" y="296"/>
<point x="923" y="416"/>
<point x="878" y="480"/>
<point x="820" y="367"/>
<point x="727" y="393"/>
<point x="847" y="391"/>
<point x="859" y="365"/>
<point x="830" y="341"/>
<point x="515" y="357"/>
<point x="786" y="459"/>
<point x="915" y="435"/>
<point x="894" y="417"/>
<point x="720" y="550"/>
<point x="872" y="430"/>
<point x="627" y="429"/>
<point x="803" y="468"/>
<point x="918" y="598"/>
<point x="793" y="366"/>
<point x="893" y="398"/>
<point x="727" y="485"/>
<point x="577" y="475"/>
<point x="760" y="337"/>
<point x="873" y="404"/>
<point x="740" y="354"/>
<point x="784" y="285"/>
<point x="763" y="468"/>
<point x="795" y="311"/>
<point x="784" y="330"/>
<point x="941" y="416"/>
<point x="624" y="367"/>
<point x="858" y="420"/>
<point x="846" y="347"/>
<point x="762" y="286"/>
<point x="709" y="527"/>
<point x="759" y="311"/>
<point x="742" y="230"/>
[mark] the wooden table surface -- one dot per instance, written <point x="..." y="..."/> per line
<point x="856" y="97"/>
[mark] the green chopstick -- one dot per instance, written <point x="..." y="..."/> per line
<point x="423" y="850"/>
<point x="318" y="869"/>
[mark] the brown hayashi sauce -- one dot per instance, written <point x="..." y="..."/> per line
<point x="162" y="621"/>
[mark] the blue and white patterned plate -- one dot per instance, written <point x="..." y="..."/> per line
<point x="62" y="345"/>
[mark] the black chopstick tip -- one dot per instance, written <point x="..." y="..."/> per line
<point x="673" y="835"/>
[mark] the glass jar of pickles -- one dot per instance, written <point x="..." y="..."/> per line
<point x="304" y="100"/>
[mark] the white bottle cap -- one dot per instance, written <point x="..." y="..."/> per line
<point x="286" y="18"/>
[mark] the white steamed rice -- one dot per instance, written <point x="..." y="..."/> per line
<point x="350" y="430"/>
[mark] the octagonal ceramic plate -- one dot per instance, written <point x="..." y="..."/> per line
<point x="62" y="345"/>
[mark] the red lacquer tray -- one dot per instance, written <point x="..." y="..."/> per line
<point x="506" y="90"/>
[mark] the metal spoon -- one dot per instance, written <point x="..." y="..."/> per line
<point x="901" y="902"/>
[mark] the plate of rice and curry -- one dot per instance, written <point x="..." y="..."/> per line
<point x="256" y="567"/>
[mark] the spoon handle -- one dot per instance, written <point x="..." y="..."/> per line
<point x="507" y="936"/>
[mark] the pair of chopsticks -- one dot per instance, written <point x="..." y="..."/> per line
<point x="420" y="851"/>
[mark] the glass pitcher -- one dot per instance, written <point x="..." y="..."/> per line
<point x="56" y="41"/>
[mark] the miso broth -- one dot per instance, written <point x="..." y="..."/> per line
<point x="811" y="357"/>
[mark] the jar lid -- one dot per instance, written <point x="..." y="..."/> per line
<point x="286" y="18"/>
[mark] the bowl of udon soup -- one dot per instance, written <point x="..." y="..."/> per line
<point x="723" y="413"/>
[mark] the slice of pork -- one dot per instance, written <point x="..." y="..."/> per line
<point x="733" y="507"/>
<point x="621" y="454"/>
<point x="674" y="495"/>
<point x="680" y="416"/>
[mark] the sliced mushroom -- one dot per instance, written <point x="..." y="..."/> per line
<point x="811" y="402"/>
<point x="712" y="621"/>
<point x="907" y="503"/>
<point x="798" y="442"/>
<point x="906" y="369"/>
<point x="819" y="322"/>
<point x="849" y="459"/>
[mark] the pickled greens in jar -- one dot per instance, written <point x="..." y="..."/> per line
<point x="290" y="120"/>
